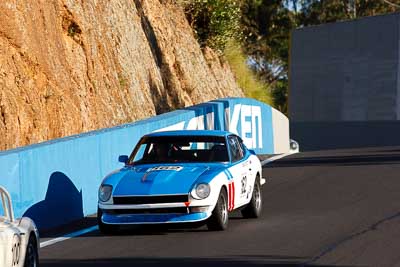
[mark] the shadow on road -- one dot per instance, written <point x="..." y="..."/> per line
<point x="144" y="230"/>
<point x="267" y="261"/>
<point x="342" y="160"/>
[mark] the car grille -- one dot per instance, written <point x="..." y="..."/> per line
<point x="179" y="210"/>
<point x="137" y="200"/>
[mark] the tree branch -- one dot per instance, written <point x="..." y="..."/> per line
<point x="392" y="4"/>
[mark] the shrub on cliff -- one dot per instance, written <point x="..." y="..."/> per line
<point x="217" y="24"/>
<point x="246" y="78"/>
<point x="214" y="22"/>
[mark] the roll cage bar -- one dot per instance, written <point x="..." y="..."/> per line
<point x="7" y="204"/>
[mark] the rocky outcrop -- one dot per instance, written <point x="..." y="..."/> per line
<point x="70" y="66"/>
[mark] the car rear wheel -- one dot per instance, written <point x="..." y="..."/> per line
<point x="253" y="209"/>
<point x="107" y="229"/>
<point x="31" y="255"/>
<point x="219" y="218"/>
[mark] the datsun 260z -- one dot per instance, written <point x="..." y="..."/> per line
<point x="181" y="177"/>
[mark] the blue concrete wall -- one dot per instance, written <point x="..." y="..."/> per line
<point x="57" y="181"/>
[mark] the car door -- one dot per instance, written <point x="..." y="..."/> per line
<point x="239" y="172"/>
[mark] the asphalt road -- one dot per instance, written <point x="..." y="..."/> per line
<point x="326" y="208"/>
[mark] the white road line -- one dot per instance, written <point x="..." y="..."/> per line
<point x="271" y="159"/>
<point x="94" y="228"/>
<point x="68" y="236"/>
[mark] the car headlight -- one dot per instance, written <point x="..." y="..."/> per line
<point x="105" y="192"/>
<point x="202" y="190"/>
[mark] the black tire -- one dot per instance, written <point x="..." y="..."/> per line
<point x="107" y="229"/>
<point x="254" y="208"/>
<point x="31" y="254"/>
<point x="219" y="217"/>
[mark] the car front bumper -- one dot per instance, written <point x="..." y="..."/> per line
<point x="127" y="219"/>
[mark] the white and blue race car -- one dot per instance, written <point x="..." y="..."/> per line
<point x="181" y="177"/>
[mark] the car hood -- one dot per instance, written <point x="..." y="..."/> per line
<point x="158" y="180"/>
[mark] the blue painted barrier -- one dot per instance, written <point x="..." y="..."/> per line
<point x="57" y="181"/>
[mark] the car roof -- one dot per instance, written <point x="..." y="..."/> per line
<point x="190" y="133"/>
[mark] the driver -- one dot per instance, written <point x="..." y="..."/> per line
<point x="161" y="151"/>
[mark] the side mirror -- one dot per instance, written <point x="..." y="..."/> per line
<point x="252" y="151"/>
<point x="123" y="158"/>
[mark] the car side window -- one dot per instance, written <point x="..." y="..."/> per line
<point x="241" y="147"/>
<point x="140" y="153"/>
<point x="235" y="148"/>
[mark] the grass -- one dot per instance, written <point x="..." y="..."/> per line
<point x="251" y="85"/>
<point x="73" y="29"/>
<point x="123" y="82"/>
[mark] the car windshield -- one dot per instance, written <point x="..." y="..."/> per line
<point x="168" y="149"/>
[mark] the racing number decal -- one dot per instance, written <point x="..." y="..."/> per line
<point x="244" y="185"/>
<point x="16" y="250"/>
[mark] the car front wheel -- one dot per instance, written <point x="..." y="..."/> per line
<point x="219" y="217"/>
<point x="31" y="255"/>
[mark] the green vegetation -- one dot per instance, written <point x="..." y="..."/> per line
<point x="248" y="80"/>
<point x="313" y="12"/>
<point x="267" y="25"/>
<point x="258" y="31"/>
<point x="123" y="82"/>
<point x="215" y="22"/>
<point x="73" y="29"/>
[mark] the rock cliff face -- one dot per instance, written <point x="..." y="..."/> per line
<point x="70" y="66"/>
